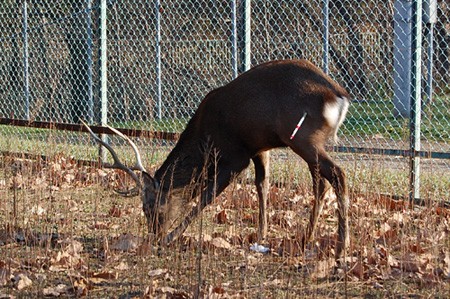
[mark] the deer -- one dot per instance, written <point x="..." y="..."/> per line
<point x="283" y="103"/>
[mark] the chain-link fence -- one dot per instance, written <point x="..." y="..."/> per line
<point x="163" y="57"/>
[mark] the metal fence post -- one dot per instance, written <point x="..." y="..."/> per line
<point x="234" y="68"/>
<point x="90" y="101"/>
<point x="103" y="74"/>
<point x="246" y="35"/>
<point x="326" y="35"/>
<point x="26" y="79"/>
<point x="103" y="65"/>
<point x="416" y="100"/>
<point x="402" y="57"/>
<point x="429" y="19"/>
<point x="158" y="59"/>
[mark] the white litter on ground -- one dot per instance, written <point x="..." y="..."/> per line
<point x="259" y="248"/>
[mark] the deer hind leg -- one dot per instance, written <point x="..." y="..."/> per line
<point x="336" y="177"/>
<point x="322" y="167"/>
<point x="320" y="187"/>
<point x="262" y="161"/>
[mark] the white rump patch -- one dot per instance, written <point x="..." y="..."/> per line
<point x="335" y="113"/>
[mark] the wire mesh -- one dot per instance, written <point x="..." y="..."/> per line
<point x="163" y="57"/>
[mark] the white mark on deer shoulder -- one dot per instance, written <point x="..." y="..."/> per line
<point x="335" y="112"/>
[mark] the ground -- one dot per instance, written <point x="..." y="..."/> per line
<point x="65" y="233"/>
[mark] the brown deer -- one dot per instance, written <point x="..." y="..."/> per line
<point x="241" y="121"/>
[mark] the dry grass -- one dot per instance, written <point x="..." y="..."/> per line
<point x="64" y="233"/>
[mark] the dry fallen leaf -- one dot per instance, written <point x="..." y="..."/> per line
<point x="115" y="211"/>
<point x="390" y="204"/>
<point x="443" y="212"/>
<point x="101" y="277"/>
<point x="67" y="258"/>
<point x="73" y="247"/>
<point x="173" y="293"/>
<point x="101" y="225"/>
<point x="358" y="270"/>
<point x="69" y="177"/>
<point x="80" y="286"/>
<point x="388" y="237"/>
<point x="218" y="290"/>
<point x="392" y="261"/>
<point x="63" y="261"/>
<point x="37" y="210"/>
<point x="145" y="249"/>
<point x="221" y="243"/>
<point x="22" y="281"/>
<point x="221" y="217"/>
<point x="126" y="242"/>
<point x="55" y="291"/>
<point x="194" y="237"/>
<point x="416" y="248"/>
<point x="122" y="266"/>
<point x="157" y="272"/>
<point x="277" y="282"/>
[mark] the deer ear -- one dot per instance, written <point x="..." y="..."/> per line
<point x="150" y="181"/>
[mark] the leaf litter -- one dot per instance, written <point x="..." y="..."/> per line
<point x="71" y="236"/>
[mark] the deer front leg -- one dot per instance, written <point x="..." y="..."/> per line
<point x="179" y="230"/>
<point x="206" y="198"/>
<point x="261" y="162"/>
<point x="215" y="185"/>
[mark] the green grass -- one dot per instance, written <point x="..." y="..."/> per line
<point x="369" y="118"/>
<point x="164" y="125"/>
<point x="365" y="119"/>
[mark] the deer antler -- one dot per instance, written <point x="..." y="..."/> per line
<point x="119" y="165"/>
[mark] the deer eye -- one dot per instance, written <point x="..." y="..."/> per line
<point x="156" y="184"/>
